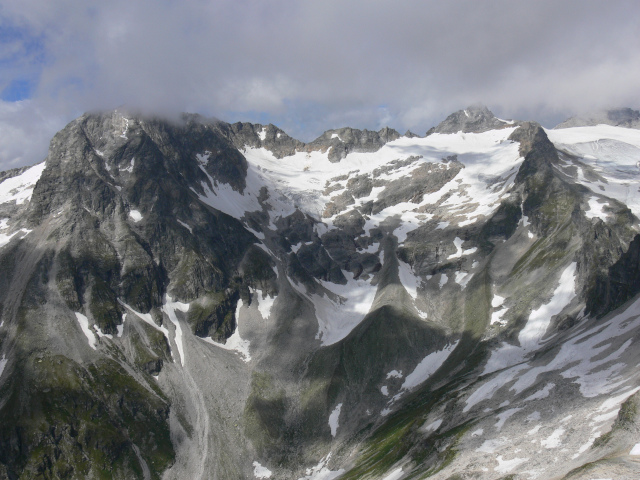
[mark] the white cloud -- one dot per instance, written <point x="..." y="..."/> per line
<point x="310" y="66"/>
<point x="25" y="132"/>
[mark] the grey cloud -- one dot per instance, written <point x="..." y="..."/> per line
<point x="310" y="66"/>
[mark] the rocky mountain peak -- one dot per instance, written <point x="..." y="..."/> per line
<point x="473" y="119"/>
<point x="619" y="117"/>
<point x="340" y="142"/>
<point x="471" y="298"/>
<point x="270" y="137"/>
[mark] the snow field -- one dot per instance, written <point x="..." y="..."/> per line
<point x="612" y="153"/>
<point x="301" y="178"/>
<point x="19" y="189"/>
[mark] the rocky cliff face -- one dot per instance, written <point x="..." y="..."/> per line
<point x="209" y="300"/>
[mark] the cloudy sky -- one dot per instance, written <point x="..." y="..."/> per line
<point x="308" y="66"/>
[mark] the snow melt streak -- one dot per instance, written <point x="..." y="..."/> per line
<point x="84" y="325"/>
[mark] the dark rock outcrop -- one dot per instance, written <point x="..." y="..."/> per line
<point x="343" y="141"/>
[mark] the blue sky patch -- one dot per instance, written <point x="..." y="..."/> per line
<point x="18" y="89"/>
<point x="22" y="58"/>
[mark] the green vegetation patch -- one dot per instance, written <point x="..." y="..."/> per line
<point x="263" y="418"/>
<point x="65" y="421"/>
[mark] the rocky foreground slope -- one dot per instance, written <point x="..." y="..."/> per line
<point x="211" y="300"/>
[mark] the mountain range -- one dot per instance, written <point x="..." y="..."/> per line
<point x="198" y="299"/>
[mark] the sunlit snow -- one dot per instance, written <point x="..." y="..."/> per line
<point x="4" y="239"/>
<point x="84" y="325"/>
<point x="264" y="303"/>
<point x="596" y="208"/>
<point x="553" y="441"/>
<point x="18" y="189"/>
<point x="459" y="251"/>
<point x="135" y="215"/>
<point x="490" y="165"/>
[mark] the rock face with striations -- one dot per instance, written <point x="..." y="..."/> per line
<point x="197" y="299"/>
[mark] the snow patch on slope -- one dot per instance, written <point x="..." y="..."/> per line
<point x="340" y="311"/>
<point x="612" y="153"/>
<point x="459" y="251"/>
<point x="84" y="325"/>
<point x="409" y="280"/>
<point x="394" y="475"/>
<point x="264" y="303"/>
<point x="170" y="308"/>
<point x="4" y="239"/>
<point x="3" y="363"/>
<point x="261" y="472"/>
<point x="428" y="366"/>
<point x="235" y="342"/>
<point x="530" y="337"/>
<point x="19" y="189"/>
<point x="596" y="209"/>
<point x="321" y="471"/>
<point x="135" y="215"/>
<point x="333" y="419"/>
<point x="225" y="198"/>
